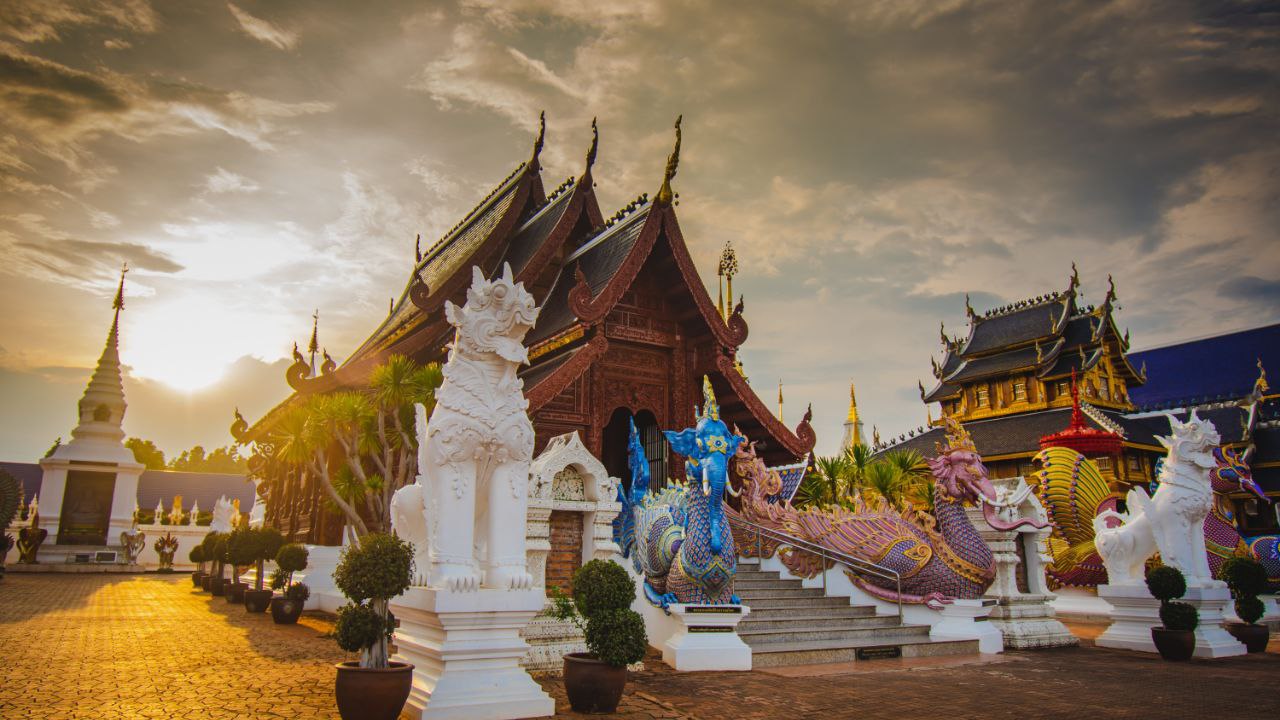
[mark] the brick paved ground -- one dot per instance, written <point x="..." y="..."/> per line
<point x="94" y="646"/>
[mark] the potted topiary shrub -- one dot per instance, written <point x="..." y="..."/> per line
<point x="206" y="550"/>
<point x="286" y="608"/>
<point x="614" y="634"/>
<point x="265" y="544"/>
<point x="1177" y="639"/>
<point x="197" y="556"/>
<point x="240" y="554"/>
<point x="1247" y="579"/>
<point x="370" y="574"/>
<point x="217" y="586"/>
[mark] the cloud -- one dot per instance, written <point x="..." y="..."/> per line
<point x="264" y="31"/>
<point x="225" y="181"/>
<point x="116" y="44"/>
<point x="56" y="256"/>
<point x="35" y="21"/>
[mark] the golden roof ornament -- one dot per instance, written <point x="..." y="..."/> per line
<point x="875" y="435"/>
<point x="665" y="195"/>
<point x="968" y="308"/>
<point x="728" y="261"/>
<point x="314" y="346"/>
<point x="710" y="409"/>
<point x="542" y="134"/>
<point x="417" y="248"/>
<point x="1039" y="353"/>
<point x="1075" y="276"/>
<point x="1260" y="385"/>
<point x="595" y="144"/>
<point x="1111" y="291"/>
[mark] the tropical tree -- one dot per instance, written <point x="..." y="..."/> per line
<point x="885" y="480"/>
<point x="146" y="452"/>
<point x="361" y="444"/>
<point x="859" y="457"/>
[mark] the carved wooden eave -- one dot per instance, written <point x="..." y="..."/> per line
<point x="582" y="201"/>
<point x="560" y="378"/>
<point x="798" y="443"/>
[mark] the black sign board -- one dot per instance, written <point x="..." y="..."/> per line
<point x="883" y="652"/>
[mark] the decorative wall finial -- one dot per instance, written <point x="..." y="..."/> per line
<point x="542" y="135"/>
<point x="595" y="144"/>
<point x="417" y="248"/>
<point x="920" y="384"/>
<point x="665" y="195"/>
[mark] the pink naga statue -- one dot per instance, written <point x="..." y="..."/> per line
<point x="940" y="556"/>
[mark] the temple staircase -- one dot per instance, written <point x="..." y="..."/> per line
<point x="794" y="625"/>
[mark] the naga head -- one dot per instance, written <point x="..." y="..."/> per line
<point x="961" y="477"/>
<point x="1232" y="472"/>
<point x="707" y="449"/>
<point x="496" y="317"/>
<point x="638" y="462"/>
<point x="1191" y="441"/>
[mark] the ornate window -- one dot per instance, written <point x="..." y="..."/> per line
<point x="1104" y="463"/>
<point x="1020" y="391"/>
<point x="984" y="397"/>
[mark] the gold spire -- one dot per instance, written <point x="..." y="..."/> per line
<point x="595" y="144"/>
<point x="314" y="346"/>
<point x="779" y="398"/>
<point x="665" y="195"/>
<point x="853" y="404"/>
<point x="852" y="425"/>
<point x="727" y="268"/>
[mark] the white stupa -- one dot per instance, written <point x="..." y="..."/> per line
<point x="90" y="485"/>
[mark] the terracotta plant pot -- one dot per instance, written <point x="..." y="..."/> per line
<point x="205" y="581"/>
<point x="592" y="685"/>
<point x="218" y="586"/>
<point x="256" y="601"/>
<point x="1254" y="637"/>
<point x="1174" y="645"/>
<point x="235" y="592"/>
<point x="195" y="579"/>
<point x="285" y="611"/>
<point x="369" y="694"/>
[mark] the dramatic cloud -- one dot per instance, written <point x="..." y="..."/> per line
<point x="260" y="29"/>
<point x="872" y="162"/>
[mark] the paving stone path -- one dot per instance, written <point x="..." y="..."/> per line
<point x="126" y="647"/>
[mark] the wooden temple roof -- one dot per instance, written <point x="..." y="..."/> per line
<point x="578" y="267"/>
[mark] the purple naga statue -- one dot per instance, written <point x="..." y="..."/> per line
<point x="940" y="556"/>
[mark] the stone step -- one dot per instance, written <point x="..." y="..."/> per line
<point x="791" y="592"/>
<point x="757" y="621"/>
<point x="741" y="583"/>
<point x="804" y="632"/>
<point x="779" y="654"/>
<point x="806" y="610"/>
<point x="790" y="601"/>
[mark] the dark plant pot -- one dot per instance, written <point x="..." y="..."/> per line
<point x="235" y="592"/>
<point x="285" y="611"/>
<point x="205" y="581"/>
<point x="1174" y="645"/>
<point x="592" y="685"/>
<point x="218" y="586"/>
<point x="196" y="576"/>
<point x="256" y="601"/>
<point x="369" y="694"/>
<point x="1254" y="637"/>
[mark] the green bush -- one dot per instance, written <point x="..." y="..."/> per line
<point x="298" y="592"/>
<point x="1179" y="616"/>
<point x="1250" y="608"/>
<point x="292" y="558"/>
<point x="196" y="555"/>
<point x="602" y="585"/>
<point x="1245" y="576"/>
<point x="381" y="567"/>
<point x="241" y="547"/>
<point x="1166" y="583"/>
<point x="359" y="627"/>
<point x="616" y="636"/>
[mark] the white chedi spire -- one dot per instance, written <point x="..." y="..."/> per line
<point x="99" y="436"/>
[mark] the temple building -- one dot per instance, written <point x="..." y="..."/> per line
<point x="1051" y="371"/>
<point x="626" y="329"/>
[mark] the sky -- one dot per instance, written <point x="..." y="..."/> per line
<point x="872" y="162"/>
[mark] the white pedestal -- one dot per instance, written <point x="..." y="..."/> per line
<point x="706" y="638"/>
<point x="322" y="561"/>
<point x="1074" y="603"/>
<point x="466" y="648"/>
<point x="1136" y="612"/>
<point x="960" y="622"/>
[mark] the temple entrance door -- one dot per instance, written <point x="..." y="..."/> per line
<point x="86" y="508"/>
<point x="566" y="550"/>
<point x="616" y="437"/>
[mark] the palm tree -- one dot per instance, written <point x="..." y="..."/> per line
<point x="828" y="483"/>
<point x="917" y="479"/>
<point x="886" y="480"/>
<point x="859" y="458"/>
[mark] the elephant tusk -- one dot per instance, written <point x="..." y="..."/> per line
<point x="734" y="493"/>
<point x="706" y="485"/>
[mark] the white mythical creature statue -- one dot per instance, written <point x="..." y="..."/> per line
<point x="474" y="472"/>
<point x="409" y="505"/>
<point x="1171" y="521"/>
<point x="223" y="514"/>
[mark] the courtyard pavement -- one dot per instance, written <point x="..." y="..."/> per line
<point x="99" y="646"/>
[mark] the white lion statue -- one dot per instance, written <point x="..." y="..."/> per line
<point x="474" y="459"/>
<point x="409" y="506"/>
<point x="1171" y="521"/>
<point x="223" y="516"/>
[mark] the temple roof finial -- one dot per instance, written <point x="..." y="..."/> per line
<point x="595" y="145"/>
<point x="728" y="261"/>
<point x="314" y="346"/>
<point x="417" y="248"/>
<point x="665" y="195"/>
<point x="542" y="136"/>
<point x="968" y="307"/>
<point x="1111" y="290"/>
<point x="853" y="404"/>
<point x="1075" y="277"/>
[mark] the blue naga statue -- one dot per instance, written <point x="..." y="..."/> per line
<point x="678" y="538"/>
